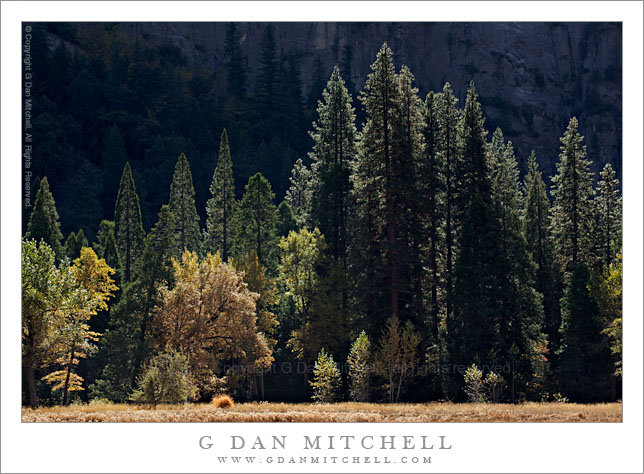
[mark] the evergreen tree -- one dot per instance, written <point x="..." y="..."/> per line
<point x="608" y="212"/>
<point x="128" y="229"/>
<point x="520" y="311"/>
<point x="408" y="146"/>
<point x="105" y="245"/>
<point x="334" y="150"/>
<point x="221" y="206"/>
<point x="127" y="341"/>
<point x="286" y="221"/>
<point x="74" y="243"/>
<point x="585" y="362"/>
<point x="43" y="222"/>
<point x="236" y="62"/>
<point x="267" y="81"/>
<point x="257" y="219"/>
<point x="476" y="163"/>
<point x="375" y="184"/>
<point x="326" y="379"/>
<point x="450" y="149"/>
<point x="298" y="194"/>
<point x="182" y="206"/>
<point x="432" y="194"/>
<point x="359" y="363"/>
<point x="538" y="237"/>
<point x="572" y="210"/>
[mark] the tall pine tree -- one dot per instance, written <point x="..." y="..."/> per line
<point x="432" y="194"/>
<point x="236" y="63"/>
<point x="608" y="216"/>
<point x="572" y="211"/>
<point x="105" y="245"/>
<point x="536" y="230"/>
<point x="220" y="208"/>
<point x="257" y="220"/>
<point x="128" y="229"/>
<point x="182" y="206"/>
<point x="43" y="222"/>
<point x="297" y="195"/>
<point x="334" y="150"/>
<point x="375" y="184"/>
<point x="585" y="362"/>
<point x="450" y="152"/>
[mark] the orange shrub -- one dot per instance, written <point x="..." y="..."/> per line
<point x="223" y="401"/>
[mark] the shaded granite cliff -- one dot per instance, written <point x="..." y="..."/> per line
<point x="531" y="77"/>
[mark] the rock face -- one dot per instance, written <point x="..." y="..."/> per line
<point x="531" y="77"/>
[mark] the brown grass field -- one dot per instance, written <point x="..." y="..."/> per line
<point x="338" y="412"/>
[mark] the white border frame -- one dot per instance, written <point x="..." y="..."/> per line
<point x="488" y="447"/>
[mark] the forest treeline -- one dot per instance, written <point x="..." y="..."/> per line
<point x="407" y="261"/>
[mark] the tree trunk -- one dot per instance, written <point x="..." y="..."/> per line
<point x="31" y="381"/>
<point x="68" y="376"/>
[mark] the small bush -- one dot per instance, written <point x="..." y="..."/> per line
<point x="223" y="401"/>
<point x="474" y="386"/>
<point x="165" y="380"/>
<point x="559" y="398"/>
<point x="494" y="385"/>
<point x="100" y="402"/>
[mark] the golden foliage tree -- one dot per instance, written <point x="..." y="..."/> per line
<point x="209" y="316"/>
<point x="397" y="356"/>
<point x="87" y="292"/>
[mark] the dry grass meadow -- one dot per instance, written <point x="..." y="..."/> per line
<point x="338" y="412"/>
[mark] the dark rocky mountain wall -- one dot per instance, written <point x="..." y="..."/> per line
<point x="531" y="77"/>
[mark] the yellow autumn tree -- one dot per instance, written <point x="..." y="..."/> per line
<point x="209" y="316"/>
<point x="87" y="288"/>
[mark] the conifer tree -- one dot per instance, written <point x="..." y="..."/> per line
<point x="334" y="150"/>
<point x="359" y="363"/>
<point x="585" y="362"/>
<point x="608" y="212"/>
<point x="432" y="194"/>
<point x="572" y="210"/>
<point x="257" y="220"/>
<point x="128" y="229"/>
<point x="409" y="206"/>
<point x="375" y="186"/>
<point x="326" y="378"/>
<point x="43" y="222"/>
<point x="538" y="237"/>
<point x="105" y="245"/>
<point x="298" y="193"/>
<point x="127" y="341"/>
<point x="236" y="63"/>
<point x="286" y="221"/>
<point x="476" y="162"/>
<point x="267" y="80"/>
<point x="182" y="206"/>
<point x="220" y="208"/>
<point x="74" y="243"/>
<point x="520" y="312"/>
<point x="450" y="143"/>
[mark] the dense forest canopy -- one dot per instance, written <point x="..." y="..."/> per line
<point x="146" y="92"/>
<point x="380" y="244"/>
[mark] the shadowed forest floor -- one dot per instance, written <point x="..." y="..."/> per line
<point x="338" y="412"/>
